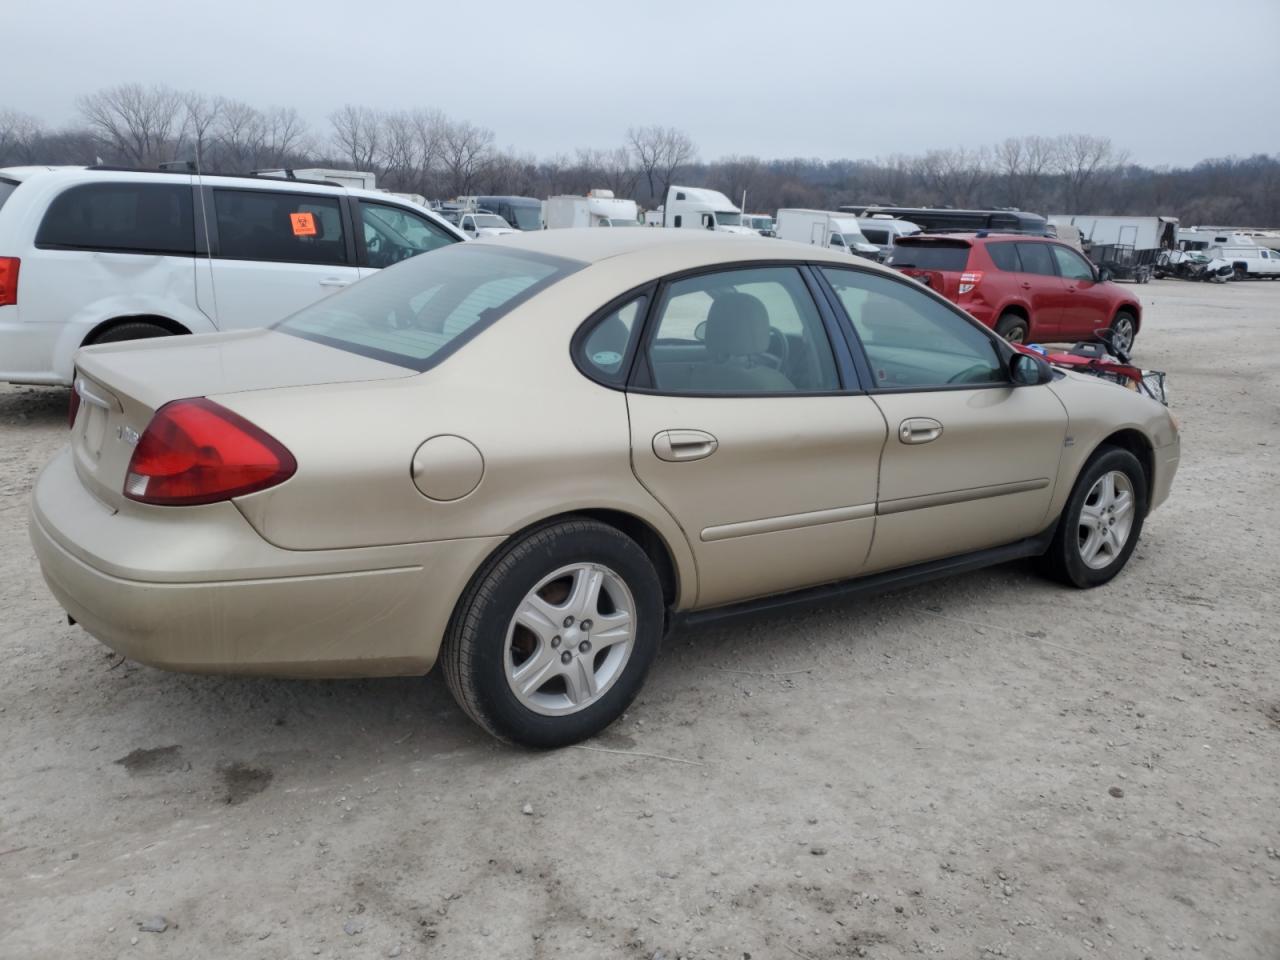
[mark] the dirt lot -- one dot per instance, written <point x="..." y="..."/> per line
<point x="991" y="766"/>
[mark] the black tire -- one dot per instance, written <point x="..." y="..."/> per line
<point x="1012" y="327"/>
<point x="473" y="655"/>
<point x="1063" y="560"/>
<point x="1239" y="273"/>
<point x="131" y="330"/>
<point x="1118" y="323"/>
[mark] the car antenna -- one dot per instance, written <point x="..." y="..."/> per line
<point x="204" y="220"/>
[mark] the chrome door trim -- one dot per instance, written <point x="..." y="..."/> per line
<point x="887" y="507"/>
<point x="792" y="521"/>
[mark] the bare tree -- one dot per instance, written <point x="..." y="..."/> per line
<point x="139" y="124"/>
<point x="738" y="176"/>
<point x="956" y="175"/>
<point x="19" y="133"/>
<point x="200" y="117"/>
<point x="1082" y="160"/>
<point x="284" y="136"/>
<point x="1023" y="163"/>
<point x="357" y="133"/>
<point x="465" y="148"/>
<point x="661" y="152"/>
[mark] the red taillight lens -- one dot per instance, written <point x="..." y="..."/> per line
<point x="74" y="406"/>
<point x="9" y="280"/>
<point x="970" y="279"/>
<point x="195" y="451"/>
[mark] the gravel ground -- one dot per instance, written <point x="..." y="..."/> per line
<point x="988" y="766"/>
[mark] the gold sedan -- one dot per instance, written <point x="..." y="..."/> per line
<point x="528" y="458"/>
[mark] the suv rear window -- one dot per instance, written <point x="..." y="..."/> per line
<point x="929" y="255"/>
<point x="121" y="217"/>
<point x="7" y="187"/>
<point x="418" y="312"/>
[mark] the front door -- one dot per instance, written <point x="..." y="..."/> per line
<point x="1086" y="302"/>
<point x="275" y="252"/>
<point x="1043" y="288"/>
<point x="970" y="460"/>
<point x="741" y="428"/>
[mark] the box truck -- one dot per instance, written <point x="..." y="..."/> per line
<point x="1141" y="233"/>
<point x="599" y="208"/>
<point x="824" y="228"/>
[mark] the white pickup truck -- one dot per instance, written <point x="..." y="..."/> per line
<point x="1250" y="263"/>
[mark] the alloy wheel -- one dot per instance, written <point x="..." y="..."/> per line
<point x="1106" y="520"/>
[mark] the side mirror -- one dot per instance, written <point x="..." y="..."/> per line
<point x="1104" y="275"/>
<point x="1028" y="371"/>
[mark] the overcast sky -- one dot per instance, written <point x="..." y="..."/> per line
<point x="1171" y="82"/>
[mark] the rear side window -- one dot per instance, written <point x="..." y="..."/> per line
<point x="6" y="188"/>
<point x="121" y="217"/>
<point x="420" y="311"/>
<point x="605" y="348"/>
<point x="930" y="256"/>
<point x="1036" y="258"/>
<point x="284" y="227"/>
<point x="1004" y="256"/>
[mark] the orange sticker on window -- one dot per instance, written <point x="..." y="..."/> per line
<point x="304" y="224"/>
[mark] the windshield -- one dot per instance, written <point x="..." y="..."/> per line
<point x="728" y="218"/>
<point x="6" y="188"/>
<point x="622" y="223"/>
<point x="418" y="312"/>
<point x="523" y="216"/>
<point x="855" y="240"/>
<point x="491" y="220"/>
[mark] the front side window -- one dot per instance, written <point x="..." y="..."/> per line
<point x="911" y="340"/>
<point x="418" y="313"/>
<point x="1036" y="258"/>
<point x="741" y="332"/>
<point x="1071" y="264"/>
<point x="392" y="234"/>
<point x="121" y="217"/>
<point x="605" y="349"/>
<point x="280" y="227"/>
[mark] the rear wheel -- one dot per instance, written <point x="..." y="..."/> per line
<point x="1012" y="327"/>
<point x="552" y="641"/>
<point x="1239" y="273"/>
<point x="131" y="330"/>
<point x="1101" y="522"/>
<point x="1124" y="328"/>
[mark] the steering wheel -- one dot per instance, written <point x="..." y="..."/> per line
<point x="778" y="351"/>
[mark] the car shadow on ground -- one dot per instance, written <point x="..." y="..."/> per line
<point x="37" y="406"/>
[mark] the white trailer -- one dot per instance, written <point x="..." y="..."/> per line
<point x="599" y="208"/>
<point x="825" y="228"/>
<point x="1141" y="233"/>
<point x="693" y="208"/>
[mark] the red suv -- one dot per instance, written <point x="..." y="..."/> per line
<point x="1028" y="288"/>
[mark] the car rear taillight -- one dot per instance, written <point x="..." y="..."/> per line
<point x="970" y="279"/>
<point x="9" y="280"/>
<point x="196" y="451"/>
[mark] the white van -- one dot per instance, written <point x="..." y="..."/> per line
<point x="693" y="208"/>
<point x="824" y="228"/>
<point x="885" y="231"/>
<point x="95" y="255"/>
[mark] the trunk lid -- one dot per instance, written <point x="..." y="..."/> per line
<point x="121" y="385"/>
<point x="935" y="261"/>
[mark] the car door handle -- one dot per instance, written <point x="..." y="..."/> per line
<point x="676" y="445"/>
<point x="334" y="282"/>
<point x="919" y="430"/>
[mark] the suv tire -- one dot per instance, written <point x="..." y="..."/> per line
<point x="131" y="330"/>
<point x="1012" y="327"/>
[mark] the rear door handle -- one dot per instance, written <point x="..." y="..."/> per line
<point x="676" y="445"/>
<point x="919" y="430"/>
<point x="334" y="282"/>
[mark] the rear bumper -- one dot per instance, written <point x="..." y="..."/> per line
<point x="27" y="350"/>
<point x="343" y="613"/>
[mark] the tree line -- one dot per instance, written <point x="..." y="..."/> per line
<point x="427" y="152"/>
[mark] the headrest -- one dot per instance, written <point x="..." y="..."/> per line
<point x="737" y="326"/>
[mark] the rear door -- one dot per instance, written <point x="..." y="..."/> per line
<point x="1043" y="289"/>
<point x="1086" y="306"/>
<point x="747" y="424"/>
<point x="274" y="252"/>
<point x="970" y="459"/>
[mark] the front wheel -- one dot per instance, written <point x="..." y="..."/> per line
<point x="552" y="641"/>
<point x="1101" y="522"/>
<point x="1124" y="328"/>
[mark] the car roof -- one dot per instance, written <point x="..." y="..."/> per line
<point x="972" y="236"/>
<point x="593" y="245"/>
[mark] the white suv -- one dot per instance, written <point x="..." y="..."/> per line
<point x="94" y="255"/>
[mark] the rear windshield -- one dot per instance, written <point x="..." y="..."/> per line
<point x="7" y="187"/>
<point x="418" y="312"/>
<point x="930" y="256"/>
